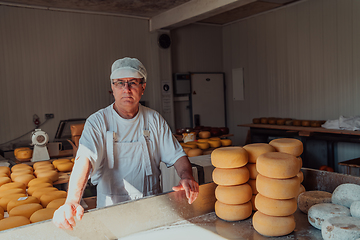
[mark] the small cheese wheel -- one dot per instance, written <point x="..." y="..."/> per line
<point x="20" y="149"/>
<point x="20" y="166"/>
<point x="340" y="228"/>
<point x="253" y="202"/>
<point x="6" y="199"/>
<point x="24" y="154"/>
<point x="47" y="198"/>
<point x="275" y="207"/>
<point x="278" y="188"/>
<point x="203" y="145"/>
<point x="319" y="212"/>
<point x="194" y="152"/>
<point x="288" y="145"/>
<point x="273" y="226"/>
<point x="215" y="139"/>
<point x="238" y="194"/>
<point x="300" y="161"/>
<point x="345" y="194"/>
<point x="256" y="149"/>
<point x="252" y="170"/>
<point x="12" y="185"/>
<point x="52" y="175"/>
<point x="12" y="191"/>
<point x="204" y="134"/>
<point x="214" y="143"/>
<point x="300" y="176"/>
<point x="6" y="170"/>
<point x="41" y="191"/>
<point x="3" y="175"/>
<point x="20" y="201"/>
<point x="225" y="142"/>
<point x="42" y="215"/>
<point x="62" y="160"/>
<point x="2" y="211"/>
<point x="277" y="165"/>
<point x="39" y="180"/>
<point x="33" y="188"/>
<point x="44" y="167"/>
<point x="41" y="163"/>
<point x="307" y="199"/>
<point x="12" y="222"/>
<point x="190" y="145"/>
<point x="230" y="176"/>
<point x="20" y="173"/>
<point x="25" y="179"/>
<point x="252" y="183"/>
<point x="65" y="167"/>
<point x="233" y="212"/>
<point x="203" y="140"/>
<point x="229" y="157"/>
<point x="186" y="150"/>
<point x="56" y="203"/>
<point x="4" y="180"/>
<point x="25" y="210"/>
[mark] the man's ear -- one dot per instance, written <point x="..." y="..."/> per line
<point x="144" y="86"/>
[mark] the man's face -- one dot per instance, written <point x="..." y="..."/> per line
<point x="127" y="91"/>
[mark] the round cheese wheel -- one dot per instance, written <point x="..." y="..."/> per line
<point x="225" y="142"/>
<point x="44" y="167"/>
<point x="194" y="152"/>
<point x="288" y="145"/>
<point x="186" y="150"/>
<point x="233" y="212"/>
<point x="3" y="175"/>
<point x="6" y="170"/>
<point x="300" y="161"/>
<point x="204" y="134"/>
<point x="25" y="210"/>
<point x="189" y="145"/>
<point x="252" y="170"/>
<point x="6" y="199"/>
<point x="215" y="138"/>
<point x="273" y="226"/>
<point x="203" y="145"/>
<point x="300" y="176"/>
<point x="56" y="203"/>
<point x="41" y="163"/>
<point x="263" y="120"/>
<point x="12" y="222"/>
<point x="52" y="175"/>
<point x="2" y="211"/>
<point x="301" y="190"/>
<point x="41" y="191"/>
<point x="277" y="165"/>
<point x="25" y="179"/>
<point x="20" y="166"/>
<point x="11" y="185"/>
<point x="20" y="201"/>
<point x="62" y="160"/>
<point x="39" y="180"/>
<point x="66" y="167"/>
<point x="355" y="209"/>
<point x="309" y="198"/>
<point x="252" y="183"/>
<point x="253" y="202"/>
<point x="278" y="188"/>
<point x="24" y="154"/>
<point x="319" y="212"/>
<point x="33" y="188"/>
<point x="275" y="207"/>
<point x="203" y="140"/>
<point x="20" y="173"/>
<point x="214" y="143"/>
<point x="345" y="194"/>
<point x="20" y="149"/>
<point x="4" y="180"/>
<point x="42" y="215"/>
<point x="339" y="228"/>
<point x="12" y="191"/>
<point x="256" y="149"/>
<point x="238" y="194"/>
<point x="48" y="197"/>
<point x="229" y="157"/>
<point x="230" y="176"/>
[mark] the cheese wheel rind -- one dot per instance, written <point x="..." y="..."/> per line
<point x="252" y="170"/>
<point x="42" y="215"/>
<point x="288" y="145"/>
<point x="277" y="165"/>
<point x="345" y="194"/>
<point x="20" y="201"/>
<point x="238" y="194"/>
<point x="39" y="180"/>
<point x="12" y="222"/>
<point x="12" y="185"/>
<point x="56" y="203"/>
<point x="309" y="198"/>
<point x="25" y="210"/>
<point x="35" y="187"/>
<point x="278" y="188"/>
<point x="65" y="167"/>
<point x="6" y="170"/>
<point x="11" y="191"/>
<point x="194" y="152"/>
<point x="341" y="228"/>
<point x="48" y="197"/>
<point x="229" y="157"/>
<point x="233" y="212"/>
<point x="252" y="183"/>
<point x="275" y="207"/>
<point x="273" y="226"/>
<point x="319" y="212"/>
<point x="256" y="149"/>
<point x="230" y="176"/>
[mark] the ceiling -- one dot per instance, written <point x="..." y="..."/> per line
<point x="165" y="14"/>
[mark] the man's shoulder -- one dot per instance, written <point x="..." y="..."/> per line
<point x="99" y="116"/>
<point x="148" y="112"/>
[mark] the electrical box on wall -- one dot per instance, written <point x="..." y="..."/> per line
<point x="182" y="83"/>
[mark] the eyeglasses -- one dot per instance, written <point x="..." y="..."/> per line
<point x="131" y="84"/>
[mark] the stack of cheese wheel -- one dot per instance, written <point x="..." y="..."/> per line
<point x="278" y="187"/>
<point x="214" y="142"/>
<point x="63" y="165"/>
<point x="254" y="150"/>
<point x="45" y="169"/>
<point x="233" y="194"/>
<point x="294" y="147"/>
<point x="22" y="173"/>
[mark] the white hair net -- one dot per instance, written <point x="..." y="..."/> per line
<point x="128" y="67"/>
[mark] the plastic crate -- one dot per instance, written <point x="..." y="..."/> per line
<point x="350" y="167"/>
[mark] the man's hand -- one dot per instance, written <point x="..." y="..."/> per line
<point x="191" y="188"/>
<point x="64" y="216"/>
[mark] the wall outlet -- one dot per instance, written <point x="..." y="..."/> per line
<point x="49" y="115"/>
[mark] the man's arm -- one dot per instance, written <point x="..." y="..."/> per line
<point x="187" y="182"/>
<point x="64" y="216"/>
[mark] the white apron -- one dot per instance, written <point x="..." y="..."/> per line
<point x="128" y="173"/>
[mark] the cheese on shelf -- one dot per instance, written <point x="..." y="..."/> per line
<point x="229" y="157"/>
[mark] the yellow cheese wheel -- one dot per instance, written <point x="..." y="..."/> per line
<point x="288" y="145"/>
<point x="41" y="191"/>
<point x="20" y="173"/>
<point x="253" y="202"/>
<point x="25" y="179"/>
<point x="300" y="160"/>
<point x="25" y="210"/>
<point x="12" y="222"/>
<point x="230" y="176"/>
<point x="3" y="175"/>
<point x="273" y="226"/>
<point x="47" y="198"/>
<point x="194" y="145"/>
<point x="214" y="143"/>
<point x="42" y="215"/>
<point x="252" y="170"/>
<point x="252" y="183"/>
<point x="278" y="188"/>
<point x="62" y="160"/>
<point x="215" y="139"/>
<point x="25" y="154"/>
<point x="225" y="142"/>
<point x="204" y="134"/>
<point x="277" y="165"/>
<point x="229" y="157"/>
<point x="275" y="207"/>
<point x="33" y="188"/>
<point x="4" y="180"/>
<point x="20" y="201"/>
<point x="6" y="199"/>
<point x="256" y="149"/>
<point x="44" y="167"/>
<point x="203" y="140"/>
<point x="186" y="150"/>
<point x="203" y="145"/>
<point x="12" y="191"/>
<point x="2" y="211"/>
<point x="65" y="167"/>
<point x="56" y="203"/>
<point x="301" y="190"/>
<point x="41" y="163"/>
<point x="11" y="185"/>
<point x="20" y="149"/>
<point x="238" y="194"/>
<point x="233" y="212"/>
<point x="300" y="176"/>
<point x="39" y="180"/>
<point x="20" y="166"/>
<point x="6" y="170"/>
<point x="194" y="152"/>
<point x="52" y="175"/>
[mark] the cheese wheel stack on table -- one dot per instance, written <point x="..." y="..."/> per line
<point x="233" y="194"/>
